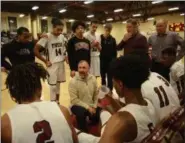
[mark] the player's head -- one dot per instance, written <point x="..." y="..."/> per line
<point x="107" y="29"/>
<point x="57" y="26"/>
<point x="161" y="26"/>
<point x="129" y="72"/>
<point x="132" y="26"/>
<point x="93" y="26"/>
<point x="78" y="27"/>
<point x="168" y="56"/>
<point x="24" y="83"/>
<point x="83" y="68"/>
<point x="23" y="34"/>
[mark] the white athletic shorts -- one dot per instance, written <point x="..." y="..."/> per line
<point x="95" y="66"/>
<point x="56" y="73"/>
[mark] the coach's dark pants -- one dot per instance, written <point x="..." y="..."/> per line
<point x="160" y="69"/>
<point x="105" y="72"/>
<point x="82" y="114"/>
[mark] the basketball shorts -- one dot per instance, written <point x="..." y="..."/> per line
<point x="95" y="66"/>
<point x="56" y="73"/>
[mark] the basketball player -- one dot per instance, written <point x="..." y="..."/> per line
<point x="55" y="46"/>
<point x="33" y="120"/>
<point x="176" y="69"/>
<point x="95" y="41"/>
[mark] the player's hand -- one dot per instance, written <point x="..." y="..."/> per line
<point x="72" y="74"/>
<point x="44" y="35"/>
<point x="48" y="64"/>
<point x="92" y="110"/>
<point x="127" y="36"/>
<point x="95" y="43"/>
<point x="66" y="59"/>
<point x="3" y="69"/>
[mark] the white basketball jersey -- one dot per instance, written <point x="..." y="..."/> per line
<point x="159" y="91"/>
<point x="55" y="46"/>
<point x="176" y="71"/>
<point x="145" y="117"/>
<point x="91" y="38"/>
<point x="39" y="122"/>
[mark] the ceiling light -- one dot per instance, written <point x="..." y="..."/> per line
<point x="118" y="10"/>
<point x="35" y="7"/>
<point x="71" y="20"/>
<point x="136" y="15"/>
<point x="173" y="9"/>
<point x="109" y="19"/>
<point x="62" y="10"/>
<point x="88" y="1"/>
<point x="90" y="16"/>
<point x="21" y="15"/>
<point x="44" y="17"/>
<point x="150" y="18"/>
<point x="182" y="14"/>
<point x="157" y="1"/>
<point x="124" y="22"/>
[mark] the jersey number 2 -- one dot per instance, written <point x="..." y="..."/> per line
<point x="161" y="93"/>
<point x="45" y="129"/>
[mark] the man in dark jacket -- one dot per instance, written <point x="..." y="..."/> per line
<point x="19" y="51"/>
<point x="107" y="54"/>
<point x="133" y="40"/>
<point x="78" y="47"/>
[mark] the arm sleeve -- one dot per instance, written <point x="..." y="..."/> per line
<point x="177" y="71"/>
<point x="74" y="96"/>
<point x="71" y="54"/>
<point x="115" y="47"/>
<point x="149" y="41"/>
<point x="5" y="53"/>
<point x="120" y="46"/>
<point x="142" y="44"/>
<point x="42" y="42"/>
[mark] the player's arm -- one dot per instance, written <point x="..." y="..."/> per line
<point x="5" y="51"/>
<point x="71" y="53"/>
<point x="40" y="44"/>
<point x="68" y="118"/>
<point x="5" y="129"/>
<point x="120" y="128"/>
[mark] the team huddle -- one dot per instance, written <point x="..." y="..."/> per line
<point x="146" y="97"/>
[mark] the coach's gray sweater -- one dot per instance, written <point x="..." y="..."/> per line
<point x="83" y="92"/>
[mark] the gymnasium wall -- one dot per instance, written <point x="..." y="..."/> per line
<point x="118" y="28"/>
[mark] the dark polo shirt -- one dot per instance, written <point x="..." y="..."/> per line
<point x="137" y="42"/>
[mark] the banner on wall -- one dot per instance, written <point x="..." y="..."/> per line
<point x="177" y="27"/>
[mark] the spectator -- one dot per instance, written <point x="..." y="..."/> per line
<point x="19" y="51"/>
<point x="83" y="93"/>
<point x="107" y="54"/>
<point x="78" y="47"/>
<point x="161" y="40"/>
<point x="133" y="39"/>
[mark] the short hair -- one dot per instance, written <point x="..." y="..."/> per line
<point x="169" y="52"/>
<point x="130" y="70"/>
<point x="21" y="30"/>
<point x="76" y="24"/>
<point x="56" y="22"/>
<point x="108" y="26"/>
<point x="94" y="21"/>
<point x="83" y="61"/>
<point x="23" y="81"/>
<point x="134" y="22"/>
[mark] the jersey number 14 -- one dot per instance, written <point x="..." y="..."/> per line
<point x="58" y="52"/>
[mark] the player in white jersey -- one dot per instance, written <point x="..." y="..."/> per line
<point x="55" y="46"/>
<point x="133" y="122"/>
<point x="33" y="120"/>
<point x="162" y="95"/>
<point x="95" y="41"/>
<point x="176" y="70"/>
